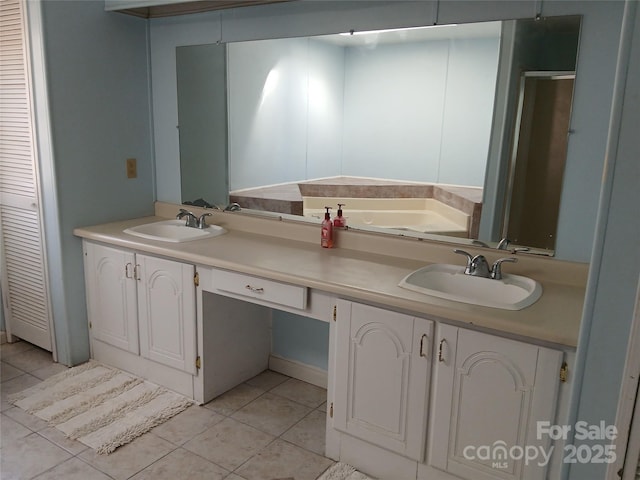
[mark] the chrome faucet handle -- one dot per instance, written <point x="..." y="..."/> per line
<point x="503" y="244"/>
<point x="476" y="266"/>
<point x="480" y="243"/>
<point x="467" y="269"/>
<point x="202" y="220"/>
<point x="496" y="270"/>
<point x="480" y="267"/>
<point x="192" y="220"/>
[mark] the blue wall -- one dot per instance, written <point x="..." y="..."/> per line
<point x="302" y="339"/>
<point x="304" y="108"/>
<point x="203" y="123"/>
<point x="593" y="89"/>
<point x="97" y="71"/>
<point x="431" y="117"/>
<point x="97" y="67"/>
<point x="271" y="114"/>
<point x="615" y="273"/>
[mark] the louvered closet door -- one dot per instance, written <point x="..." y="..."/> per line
<point x="24" y="285"/>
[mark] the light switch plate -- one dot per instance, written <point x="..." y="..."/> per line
<point x="132" y="169"/>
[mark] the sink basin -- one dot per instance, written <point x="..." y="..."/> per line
<point x="513" y="292"/>
<point x="173" y="231"/>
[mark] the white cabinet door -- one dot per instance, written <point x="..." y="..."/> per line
<point x="382" y="381"/>
<point x="142" y="304"/>
<point x="167" y="312"/>
<point x="111" y="296"/>
<point x="490" y="392"/>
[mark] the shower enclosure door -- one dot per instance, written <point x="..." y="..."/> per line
<point x="538" y="159"/>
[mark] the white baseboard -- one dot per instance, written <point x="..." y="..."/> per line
<point x="292" y="368"/>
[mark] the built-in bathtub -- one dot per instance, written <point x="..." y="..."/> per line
<point x="425" y="215"/>
<point x="457" y="204"/>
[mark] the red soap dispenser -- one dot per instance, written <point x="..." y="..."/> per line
<point x="326" y="236"/>
<point x="340" y="221"/>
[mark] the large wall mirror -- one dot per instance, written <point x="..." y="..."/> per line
<point x="455" y="130"/>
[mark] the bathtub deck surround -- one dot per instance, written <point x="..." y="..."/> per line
<point x="265" y="264"/>
<point x="294" y="198"/>
<point x="425" y="215"/>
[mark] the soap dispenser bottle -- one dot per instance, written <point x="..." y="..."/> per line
<point x="326" y="236"/>
<point x="340" y="221"/>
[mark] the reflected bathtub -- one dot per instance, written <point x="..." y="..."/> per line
<point x="425" y="215"/>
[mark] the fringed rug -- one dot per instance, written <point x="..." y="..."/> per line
<point x="100" y="406"/>
<point x="342" y="471"/>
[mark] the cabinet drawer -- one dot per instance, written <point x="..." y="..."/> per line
<point x="260" y="288"/>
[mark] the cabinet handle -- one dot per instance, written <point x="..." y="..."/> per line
<point x="127" y="270"/>
<point x="136" y="272"/>
<point x="422" y="354"/>
<point x="254" y="289"/>
<point x="440" y="347"/>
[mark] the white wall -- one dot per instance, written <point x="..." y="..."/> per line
<point x="421" y="111"/>
<point x="278" y="128"/>
<point x="325" y="119"/>
<point x="473" y="65"/>
<point x="302" y="109"/>
<point x="395" y="98"/>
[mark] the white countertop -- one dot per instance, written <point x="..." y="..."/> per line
<point x="356" y="274"/>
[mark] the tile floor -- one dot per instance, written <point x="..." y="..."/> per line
<point x="271" y="427"/>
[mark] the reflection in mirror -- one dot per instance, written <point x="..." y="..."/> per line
<point x="202" y="118"/>
<point x="538" y="159"/>
<point x="397" y="124"/>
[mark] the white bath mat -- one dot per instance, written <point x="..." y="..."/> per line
<point x="342" y="471"/>
<point x="100" y="406"/>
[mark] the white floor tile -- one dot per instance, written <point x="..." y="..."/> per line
<point x="234" y="437"/>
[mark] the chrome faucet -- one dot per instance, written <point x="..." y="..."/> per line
<point x="193" y="221"/>
<point x="479" y="267"/>
<point x="202" y="220"/>
<point x="496" y="269"/>
<point x="480" y="243"/>
<point x="503" y="244"/>
<point x="232" y="207"/>
<point x="476" y="266"/>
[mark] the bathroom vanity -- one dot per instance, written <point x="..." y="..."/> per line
<point x="415" y="383"/>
